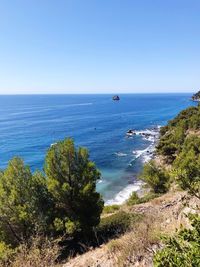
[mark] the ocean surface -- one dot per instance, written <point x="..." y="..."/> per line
<point x="30" y="124"/>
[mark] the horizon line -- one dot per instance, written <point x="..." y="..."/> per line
<point x="110" y="93"/>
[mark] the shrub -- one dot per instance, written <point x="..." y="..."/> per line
<point x="110" y="208"/>
<point x="6" y="254"/>
<point x="156" y="177"/>
<point x="135" y="199"/>
<point x="25" y="203"/>
<point x="187" y="166"/>
<point x="149" y="196"/>
<point x="115" y="224"/>
<point x="183" y="249"/>
<point x="173" y="135"/>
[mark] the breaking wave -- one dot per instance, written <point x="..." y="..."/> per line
<point x="124" y="194"/>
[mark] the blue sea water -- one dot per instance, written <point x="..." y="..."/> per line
<point x="30" y="124"/>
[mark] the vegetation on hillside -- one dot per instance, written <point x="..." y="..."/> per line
<point x="26" y="205"/>
<point x="61" y="202"/>
<point x="135" y="199"/>
<point x="183" y="249"/>
<point x="182" y="134"/>
<point x="156" y="177"/>
<point x="173" y="135"/>
<point x="196" y="96"/>
<point x="179" y="146"/>
<point x="187" y="166"/>
<point x="116" y="224"/>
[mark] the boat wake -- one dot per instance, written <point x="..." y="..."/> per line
<point x="120" y="154"/>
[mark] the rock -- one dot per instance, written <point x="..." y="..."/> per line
<point x="116" y="97"/>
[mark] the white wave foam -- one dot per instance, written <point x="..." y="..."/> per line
<point x="152" y="136"/>
<point x="124" y="194"/>
<point x="146" y="153"/>
<point x="149" y="134"/>
<point x="139" y="153"/>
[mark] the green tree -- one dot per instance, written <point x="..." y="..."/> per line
<point x="156" y="177"/>
<point x="71" y="179"/>
<point x="187" y="166"/>
<point x="24" y="203"/>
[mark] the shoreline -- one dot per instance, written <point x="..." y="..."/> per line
<point x="146" y="154"/>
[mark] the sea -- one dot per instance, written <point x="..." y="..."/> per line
<point x="30" y="124"/>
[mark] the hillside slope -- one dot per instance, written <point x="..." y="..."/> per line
<point x="136" y="248"/>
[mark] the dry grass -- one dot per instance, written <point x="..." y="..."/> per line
<point x="134" y="245"/>
<point x="41" y="253"/>
<point x="161" y="216"/>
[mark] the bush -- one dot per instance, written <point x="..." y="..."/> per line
<point x="25" y="203"/>
<point x="115" y="224"/>
<point x="110" y="208"/>
<point x="156" y="177"/>
<point x="135" y="199"/>
<point x="187" y="166"/>
<point x="173" y="135"/>
<point x="6" y="254"/>
<point x="149" y="196"/>
<point x="183" y="249"/>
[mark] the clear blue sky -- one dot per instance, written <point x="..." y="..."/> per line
<point x="99" y="46"/>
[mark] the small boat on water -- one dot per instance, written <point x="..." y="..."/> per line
<point x="116" y="98"/>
